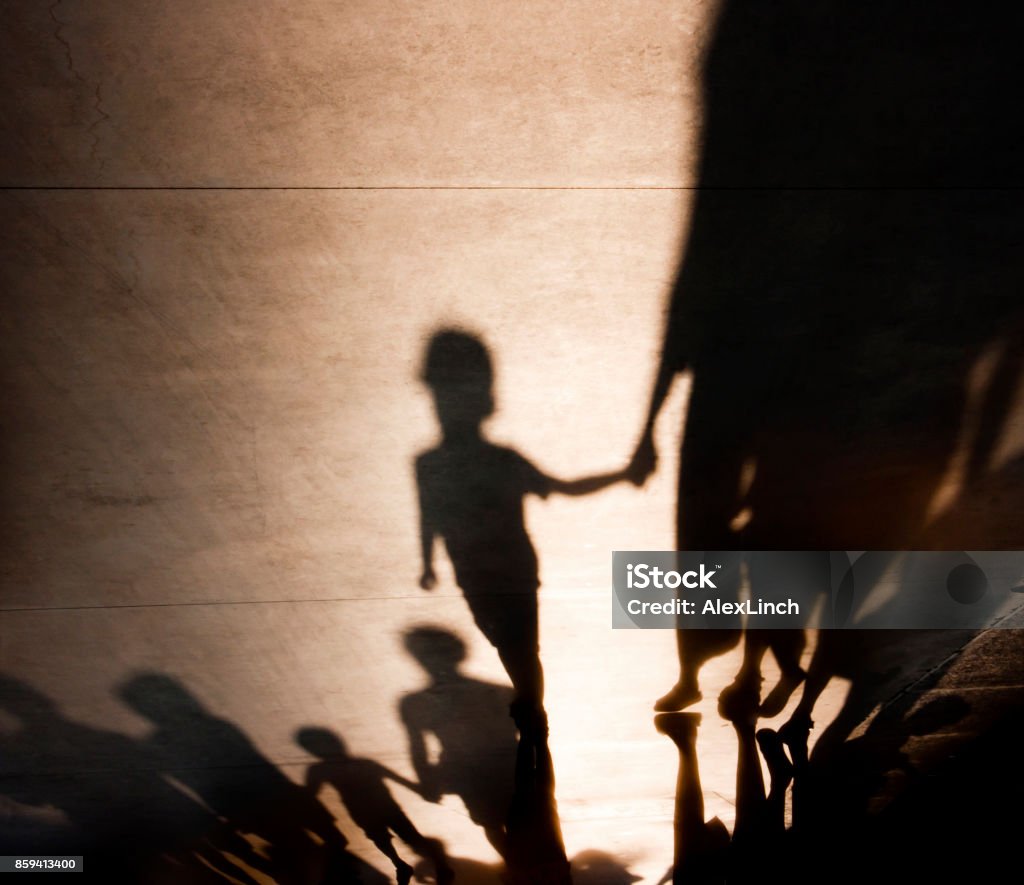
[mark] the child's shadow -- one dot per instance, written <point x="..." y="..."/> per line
<point x="471" y="494"/>
<point x="469" y="721"/>
<point x="361" y="785"/>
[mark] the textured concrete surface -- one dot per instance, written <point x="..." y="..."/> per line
<point x="357" y="93"/>
<point x="214" y="452"/>
<point x="214" y="393"/>
<point x="211" y="391"/>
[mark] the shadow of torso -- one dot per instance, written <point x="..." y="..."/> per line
<point x="848" y="261"/>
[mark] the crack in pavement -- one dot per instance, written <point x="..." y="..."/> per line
<point x="101" y="115"/>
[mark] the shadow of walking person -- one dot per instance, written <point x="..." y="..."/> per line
<point x="216" y="761"/>
<point x="507" y="784"/>
<point x="469" y="720"/>
<point x="471" y="494"/>
<point x="852" y="255"/>
<point x="120" y="812"/>
<point x="361" y="784"/>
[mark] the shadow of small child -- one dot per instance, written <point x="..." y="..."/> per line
<point x="471" y="494"/>
<point x="361" y="785"/>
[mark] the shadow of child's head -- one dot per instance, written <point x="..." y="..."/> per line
<point x="458" y="370"/>
<point x="438" y="651"/>
<point x="161" y="699"/>
<point x="321" y="742"/>
<point x="21" y="701"/>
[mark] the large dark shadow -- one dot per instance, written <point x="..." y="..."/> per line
<point x="850" y="307"/>
<point x="238" y="783"/>
<point x="111" y="805"/>
<point x="193" y="801"/>
<point x="852" y="252"/>
<point x="931" y="829"/>
<point x="362" y="785"/>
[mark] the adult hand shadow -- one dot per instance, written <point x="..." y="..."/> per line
<point x="644" y="461"/>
